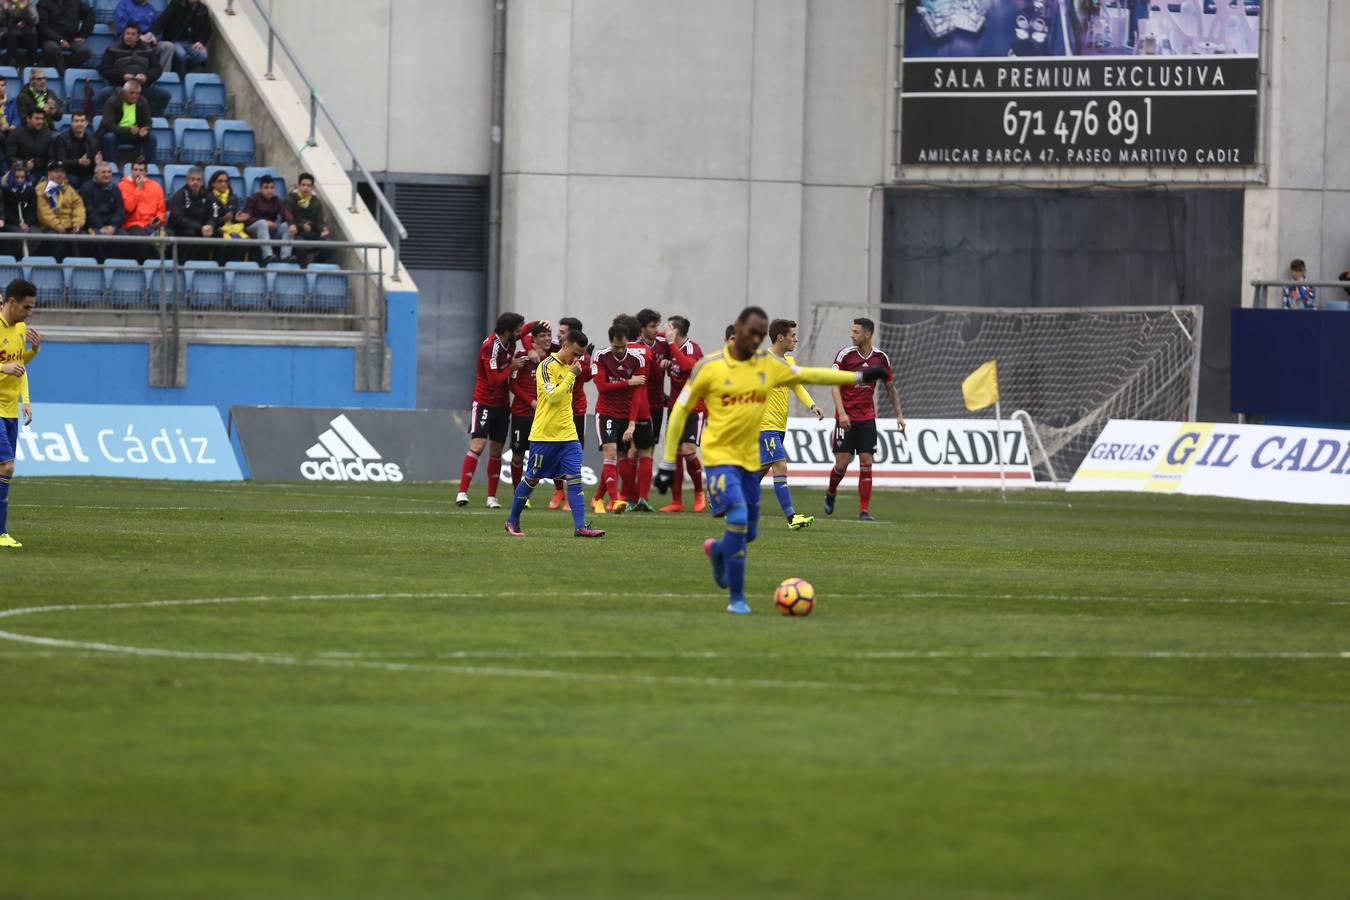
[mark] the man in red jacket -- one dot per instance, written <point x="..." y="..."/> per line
<point x="490" y="416"/>
<point x="268" y="216"/>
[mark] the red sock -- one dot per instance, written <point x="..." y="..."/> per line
<point x="559" y="484"/>
<point x="600" y="488"/>
<point x="494" y="474"/>
<point x="628" y="476"/>
<point x="677" y="486"/>
<point x="644" y="479"/>
<point x="836" y="476"/>
<point x="695" y="467"/>
<point x="517" y="471"/>
<point x="864" y="487"/>
<point x="466" y="472"/>
<point x="609" y="480"/>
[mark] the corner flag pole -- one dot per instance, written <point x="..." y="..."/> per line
<point x="998" y="448"/>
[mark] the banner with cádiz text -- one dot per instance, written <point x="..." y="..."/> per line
<point x="177" y="442"/>
<point x="931" y="453"/>
<point x="1249" y="462"/>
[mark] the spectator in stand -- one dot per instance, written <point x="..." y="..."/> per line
<point x="190" y="213"/>
<point x="35" y="95"/>
<point x="9" y="110"/>
<point x="184" y="30"/>
<point x="226" y="215"/>
<point x="1299" y="296"/>
<point x="20" y="200"/>
<point x="126" y="123"/>
<point x="63" y="27"/>
<point x="32" y="143"/>
<point x="1345" y="276"/>
<point x="104" y="211"/>
<point x="77" y="150"/>
<point x="141" y="13"/>
<point x="19" y="19"/>
<point x="129" y="60"/>
<point x="143" y="200"/>
<point x="309" y="218"/>
<point x="266" y="216"/>
<point x="60" y="210"/>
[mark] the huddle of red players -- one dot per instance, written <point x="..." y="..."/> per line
<point x="630" y="379"/>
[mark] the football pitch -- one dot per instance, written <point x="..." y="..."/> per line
<point x="335" y="691"/>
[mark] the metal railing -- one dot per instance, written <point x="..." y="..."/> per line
<point x="1333" y="292"/>
<point x="161" y="298"/>
<point x="316" y="104"/>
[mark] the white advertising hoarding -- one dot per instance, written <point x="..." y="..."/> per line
<point x="931" y="453"/>
<point x="1249" y="462"/>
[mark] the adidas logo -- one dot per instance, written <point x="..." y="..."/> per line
<point x="344" y="454"/>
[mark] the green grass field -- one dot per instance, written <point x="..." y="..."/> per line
<point x="384" y="696"/>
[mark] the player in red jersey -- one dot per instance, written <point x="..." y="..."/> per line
<point x="855" y="415"/>
<point x="651" y="344"/>
<point x="490" y="416"/>
<point x="523" y="393"/>
<point x="684" y="355"/>
<point x="627" y="467"/>
<point x="620" y="376"/>
<point x="566" y="326"/>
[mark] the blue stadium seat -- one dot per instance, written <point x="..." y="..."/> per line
<point x="125" y="282"/>
<point x="175" y="177"/>
<point x="45" y="272"/>
<point x="247" y="284"/>
<point x="62" y="124"/>
<point x="103" y="11"/>
<point x="152" y="269"/>
<point x="236" y="180"/>
<point x="84" y="281"/>
<point x="98" y="42"/>
<point x="74" y="88"/>
<point x="205" y="284"/>
<point x="236" y="144"/>
<point x="54" y="83"/>
<point x="195" y="140"/>
<point x="159" y="4"/>
<point x="253" y="173"/>
<point x="93" y="126"/>
<point x="12" y="83"/>
<point x="172" y="83"/>
<point x="9" y="267"/>
<point x="164" y="139"/>
<point x="205" y="94"/>
<point x="287" y="284"/>
<point x="327" y="287"/>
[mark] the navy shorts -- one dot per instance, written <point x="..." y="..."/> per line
<point x="580" y="423"/>
<point x="771" y="448"/>
<point x="728" y="485"/>
<point x="693" y="429"/>
<point x="520" y="434"/>
<point x="491" y="422"/>
<point x="553" y="459"/>
<point x="9" y="438"/>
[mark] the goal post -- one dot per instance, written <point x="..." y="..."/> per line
<point x="1063" y="372"/>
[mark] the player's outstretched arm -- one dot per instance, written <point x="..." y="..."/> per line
<point x="806" y="375"/>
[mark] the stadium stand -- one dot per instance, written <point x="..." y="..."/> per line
<point x="84" y="281"/>
<point x="236" y="142"/>
<point x="246" y="284"/>
<point x="205" y="94"/>
<point x="205" y="284"/>
<point x="195" y="141"/>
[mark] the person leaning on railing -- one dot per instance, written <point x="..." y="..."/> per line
<point x="104" y="209"/>
<point x="1295" y="295"/>
<point x="19" y="201"/>
<point x="144" y="202"/>
<point x="190" y="214"/>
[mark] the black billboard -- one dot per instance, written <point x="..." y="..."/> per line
<point x="1080" y="83"/>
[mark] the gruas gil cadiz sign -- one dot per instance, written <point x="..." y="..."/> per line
<point x="1080" y="83"/>
<point x="1250" y="462"/>
<point x="931" y="453"/>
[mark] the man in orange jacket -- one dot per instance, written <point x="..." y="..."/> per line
<point x="143" y="200"/>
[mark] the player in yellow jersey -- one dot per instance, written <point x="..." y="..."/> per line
<point x="773" y="429"/>
<point x="20" y="298"/>
<point x="555" y="450"/>
<point x="736" y="384"/>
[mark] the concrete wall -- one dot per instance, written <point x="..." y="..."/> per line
<point x="1304" y="210"/>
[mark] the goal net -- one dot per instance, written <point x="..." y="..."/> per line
<point x="1064" y="372"/>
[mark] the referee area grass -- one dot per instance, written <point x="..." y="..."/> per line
<point x="1056" y="696"/>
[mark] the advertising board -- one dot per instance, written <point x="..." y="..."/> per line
<point x="1250" y="462"/>
<point x="176" y="442"/>
<point x="1103" y="83"/>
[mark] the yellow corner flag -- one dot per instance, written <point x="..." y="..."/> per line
<point x="981" y="386"/>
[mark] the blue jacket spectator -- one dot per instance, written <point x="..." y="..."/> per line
<point x="1299" y="296"/>
<point x="138" y="11"/>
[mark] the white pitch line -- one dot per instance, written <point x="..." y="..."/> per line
<point x="594" y="677"/>
<point x="858" y="656"/>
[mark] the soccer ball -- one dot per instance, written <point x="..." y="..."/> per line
<point x="795" y="597"/>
